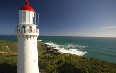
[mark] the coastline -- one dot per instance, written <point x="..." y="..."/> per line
<point x="53" y="61"/>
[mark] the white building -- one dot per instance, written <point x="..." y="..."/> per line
<point x="27" y="33"/>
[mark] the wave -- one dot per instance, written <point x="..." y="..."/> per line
<point x="39" y="40"/>
<point x="68" y="48"/>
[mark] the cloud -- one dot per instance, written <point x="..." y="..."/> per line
<point x="109" y="27"/>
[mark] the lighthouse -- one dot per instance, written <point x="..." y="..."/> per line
<point x="27" y="33"/>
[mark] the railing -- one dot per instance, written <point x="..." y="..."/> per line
<point x="27" y="29"/>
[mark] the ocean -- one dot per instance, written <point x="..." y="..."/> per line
<point x="103" y="48"/>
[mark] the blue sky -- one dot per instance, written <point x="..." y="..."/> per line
<point x="95" y="18"/>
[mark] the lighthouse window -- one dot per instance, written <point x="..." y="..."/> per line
<point x="30" y="28"/>
<point x="27" y="17"/>
<point x="34" y="18"/>
<point x="20" y="17"/>
<point x="19" y="29"/>
<point x="36" y="29"/>
<point x="23" y="29"/>
<point x="23" y="16"/>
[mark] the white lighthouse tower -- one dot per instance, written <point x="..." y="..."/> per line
<point x="27" y="33"/>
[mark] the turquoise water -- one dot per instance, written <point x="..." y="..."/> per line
<point x="101" y="48"/>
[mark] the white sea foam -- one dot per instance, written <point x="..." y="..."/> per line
<point x="69" y="48"/>
<point x="39" y="40"/>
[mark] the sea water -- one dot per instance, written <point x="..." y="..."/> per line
<point x="103" y="48"/>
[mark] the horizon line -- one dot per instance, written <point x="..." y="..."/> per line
<point x="66" y="36"/>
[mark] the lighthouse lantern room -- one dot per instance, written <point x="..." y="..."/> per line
<point x="27" y="33"/>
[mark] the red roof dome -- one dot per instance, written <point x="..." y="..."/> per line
<point x="27" y="7"/>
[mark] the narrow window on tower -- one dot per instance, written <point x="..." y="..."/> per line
<point x="20" y="16"/>
<point x="23" y="29"/>
<point x="36" y="29"/>
<point x="34" y="18"/>
<point x="24" y="17"/>
<point x="27" y="17"/>
<point x="30" y="28"/>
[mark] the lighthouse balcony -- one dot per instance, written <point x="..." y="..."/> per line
<point x="27" y="30"/>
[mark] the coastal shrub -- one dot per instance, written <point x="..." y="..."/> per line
<point x="8" y="68"/>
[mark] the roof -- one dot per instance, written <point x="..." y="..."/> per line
<point x="27" y="7"/>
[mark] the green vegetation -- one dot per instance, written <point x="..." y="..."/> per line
<point x="8" y="47"/>
<point x="57" y="63"/>
<point x="52" y="62"/>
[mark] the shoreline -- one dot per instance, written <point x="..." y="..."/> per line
<point x="52" y="61"/>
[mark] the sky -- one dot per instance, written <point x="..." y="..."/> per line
<point x="93" y="18"/>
